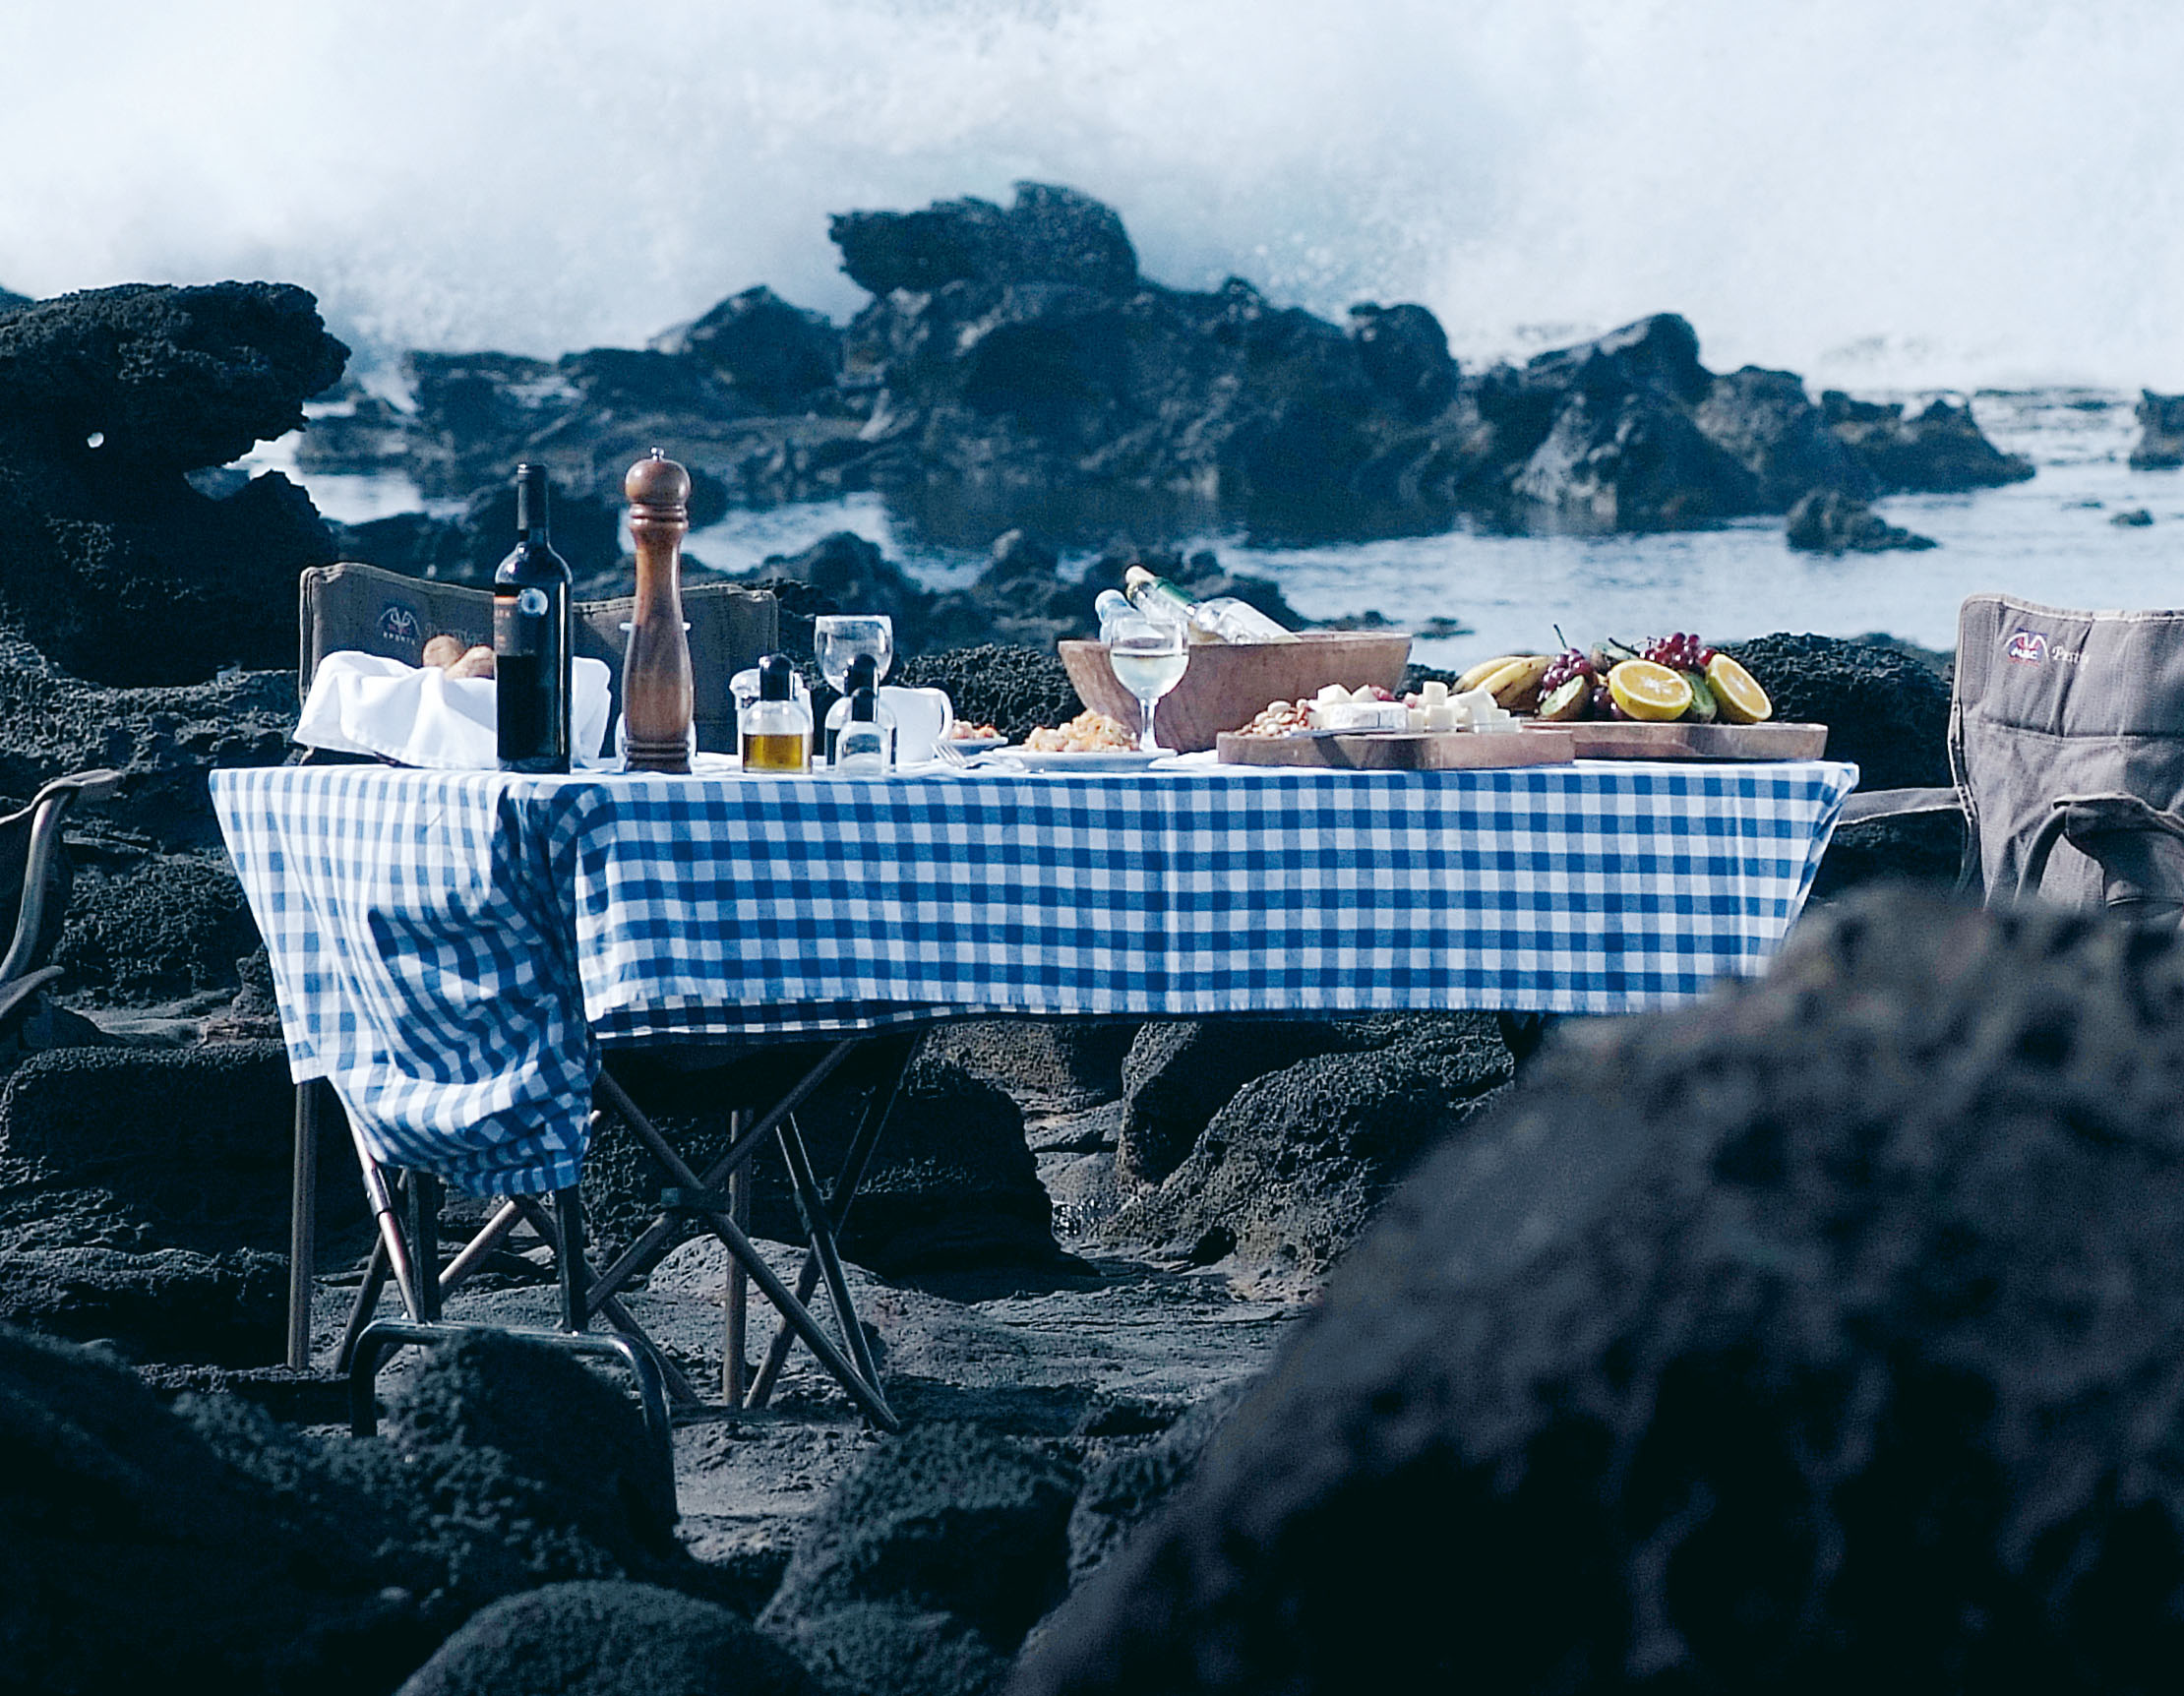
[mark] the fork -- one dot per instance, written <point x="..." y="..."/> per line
<point x="948" y="754"/>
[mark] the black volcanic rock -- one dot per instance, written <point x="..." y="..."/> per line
<point x="1050" y="234"/>
<point x="1293" y="1165"/>
<point x="1013" y="370"/>
<point x="1630" y="460"/>
<point x="1884" y="711"/>
<point x="109" y="561"/>
<point x="161" y="740"/>
<point x="1768" y="422"/>
<point x="1013" y="688"/>
<point x="608" y="1637"/>
<point x="1405" y="353"/>
<point x="2160" y="443"/>
<point x="1179" y="1072"/>
<point x="1827" y="522"/>
<point x="1939" y="451"/>
<point x="777" y="356"/>
<point x="946" y="1521"/>
<point x="165" y="926"/>
<point x="1818" y="1337"/>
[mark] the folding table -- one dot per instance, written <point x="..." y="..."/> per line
<point x="454" y="951"/>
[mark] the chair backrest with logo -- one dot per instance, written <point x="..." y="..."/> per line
<point x="2052" y="706"/>
<point x="370" y="610"/>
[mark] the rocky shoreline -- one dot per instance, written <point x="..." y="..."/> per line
<point x="1014" y="369"/>
<point x="1177" y="1308"/>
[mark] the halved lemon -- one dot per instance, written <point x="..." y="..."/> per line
<point x="1737" y="691"/>
<point x="1647" y="690"/>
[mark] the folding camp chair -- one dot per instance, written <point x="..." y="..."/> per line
<point x="2066" y="741"/>
<point x="363" y="607"/>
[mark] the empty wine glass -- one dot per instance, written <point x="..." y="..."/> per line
<point x="839" y="638"/>
<point x="1149" y="658"/>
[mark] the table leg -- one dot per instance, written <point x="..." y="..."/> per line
<point x="642" y="1252"/>
<point x="852" y="1175"/>
<point x="303" y="1220"/>
<point x="617" y="1315"/>
<point x="863" y="1391"/>
<point x="423" y="1192"/>
<point x="819" y="1228"/>
<point x="735" y="1364"/>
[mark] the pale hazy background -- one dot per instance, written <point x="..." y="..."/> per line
<point x="1874" y="192"/>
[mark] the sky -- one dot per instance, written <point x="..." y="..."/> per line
<point x="1948" y="193"/>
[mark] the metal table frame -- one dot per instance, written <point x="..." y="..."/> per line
<point x="405" y="1246"/>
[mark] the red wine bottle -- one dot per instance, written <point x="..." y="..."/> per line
<point x="532" y="638"/>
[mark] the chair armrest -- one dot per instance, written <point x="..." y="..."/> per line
<point x="46" y="810"/>
<point x="1866" y="805"/>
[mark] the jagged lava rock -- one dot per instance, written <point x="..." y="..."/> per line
<point x="1827" y="522"/>
<point x="607" y="1637"/>
<point x="2160" y="443"/>
<point x="1820" y="1337"/>
<point x="1769" y="424"/>
<point x="144" y="1197"/>
<point x="159" y="926"/>
<point x="887" y="1648"/>
<point x="1013" y="688"/>
<point x="780" y="356"/>
<point x="183" y="1148"/>
<point x="1292" y="1168"/>
<point x="1938" y="451"/>
<point x="1885" y="712"/>
<point x="1179" y="1072"/>
<point x="1043" y="1066"/>
<point x="946" y="1519"/>
<point x="166" y="1304"/>
<point x="162" y="740"/>
<point x="110" y="562"/>
<point x="570" y="1430"/>
<point x="1130" y="1488"/>
<point x="133" y="1554"/>
<point x="1050" y="234"/>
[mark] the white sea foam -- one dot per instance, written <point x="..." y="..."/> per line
<point x="1959" y="192"/>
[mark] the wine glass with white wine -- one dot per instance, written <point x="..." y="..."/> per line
<point x="1149" y="656"/>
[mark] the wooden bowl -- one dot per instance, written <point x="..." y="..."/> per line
<point x="1229" y="685"/>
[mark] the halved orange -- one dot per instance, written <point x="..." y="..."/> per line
<point x="1737" y="691"/>
<point x="1647" y="690"/>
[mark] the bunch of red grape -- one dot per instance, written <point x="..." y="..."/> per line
<point x="1569" y="663"/>
<point x="1680" y="652"/>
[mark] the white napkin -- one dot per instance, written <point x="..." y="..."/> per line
<point x="362" y="704"/>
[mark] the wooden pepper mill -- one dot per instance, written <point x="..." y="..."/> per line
<point x="655" y="671"/>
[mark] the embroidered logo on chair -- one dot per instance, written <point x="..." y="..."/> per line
<point x="2029" y="647"/>
<point x="398" y="625"/>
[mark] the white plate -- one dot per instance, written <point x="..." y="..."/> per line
<point x="1106" y="760"/>
<point x="976" y="744"/>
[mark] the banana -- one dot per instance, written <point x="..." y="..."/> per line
<point x="1516" y="686"/>
<point x="1479" y="673"/>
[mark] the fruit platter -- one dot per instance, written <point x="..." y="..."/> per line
<point x="1668" y="698"/>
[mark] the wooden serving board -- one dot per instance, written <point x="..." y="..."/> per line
<point x="1401" y="750"/>
<point x="1629" y="738"/>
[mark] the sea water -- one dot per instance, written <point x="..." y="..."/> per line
<point x="2050" y="539"/>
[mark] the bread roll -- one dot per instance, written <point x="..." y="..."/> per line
<point x="443" y="651"/>
<point x="479" y="662"/>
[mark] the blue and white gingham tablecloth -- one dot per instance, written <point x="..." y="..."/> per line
<point x="450" y="948"/>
